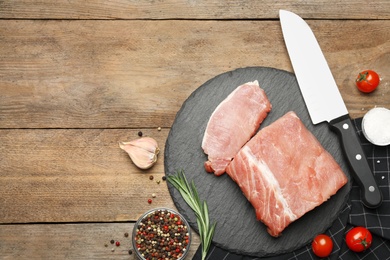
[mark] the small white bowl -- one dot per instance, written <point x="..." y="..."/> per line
<point x="161" y="231"/>
<point x="376" y="126"/>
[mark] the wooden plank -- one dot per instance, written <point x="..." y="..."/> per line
<point x="180" y="9"/>
<point x="76" y="175"/>
<point x="121" y="74"/>
<point x="70" y="241"/>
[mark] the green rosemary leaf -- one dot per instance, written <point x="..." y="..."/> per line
<point x="210" y="234"/>
<point x="201" y="230"/>
<point x="176" y="183"/>
<point x="191" y="197"/>
<point x="205" y="214"/>
<point x="195" y="192"/>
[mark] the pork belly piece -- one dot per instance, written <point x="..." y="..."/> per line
<point x="234" y="121"/>
<point x="285" y="172"/>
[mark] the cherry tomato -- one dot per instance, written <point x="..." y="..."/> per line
<point x="367" y="81"/>
<point x="322" y="245"/>
<point x="358" y="239"/>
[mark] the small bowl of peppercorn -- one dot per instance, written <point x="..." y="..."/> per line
<point x="161" y="233"/>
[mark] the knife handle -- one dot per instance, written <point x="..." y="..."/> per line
<point x="371" y="195"/>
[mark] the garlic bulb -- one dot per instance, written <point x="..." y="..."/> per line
<point x="143" y="151"/>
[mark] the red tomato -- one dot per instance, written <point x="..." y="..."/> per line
<point x="358" y="239"/>
<point x="322" y="245"/>
<point x="367" y="81"/>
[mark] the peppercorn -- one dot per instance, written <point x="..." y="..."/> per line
<point x="117" y="243"/>
<point x="112" y="241"/>
<point x="150" y="201"/>
<point x="130" y="252"/>
<point x="126" y="234"/>
<point x="158" y="235"/>
<point x="164" y="178"/>
<point x="139" y="133"/>
<point x="151" y="177"/>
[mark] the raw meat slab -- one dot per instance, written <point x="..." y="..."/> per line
<point x="237" y="228"/>
<point x="285" y="172"/>
<point x="232" y="124"/>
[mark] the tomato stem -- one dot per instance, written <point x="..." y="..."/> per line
<point x="364" y="242"/>
<point x="363" y="76"/>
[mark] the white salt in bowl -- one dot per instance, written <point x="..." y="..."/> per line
<point x="376" y="126"/>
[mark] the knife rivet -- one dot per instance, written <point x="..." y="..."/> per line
<point x="358" y="157"/>
<point x="371" y="188"/>
<point x="345" y="126"/>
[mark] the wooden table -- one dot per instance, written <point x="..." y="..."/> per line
<point x="77" y="77"/>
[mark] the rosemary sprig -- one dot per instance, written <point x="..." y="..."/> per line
<point x="191" y="197"/>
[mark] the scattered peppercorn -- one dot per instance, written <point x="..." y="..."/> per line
<point x="164" y="178"/>
<point x="130" y="252"/>
<point x="151" y="177"/>
<point x="112" y="241"/>
<point x="153" y="195"/>
<point x="159" y="128"/>
<point x="161" y="234"/>
<point x="139" y="133"/>
<point x="105" y="245"/>
<point x="158" y="181"/>
<point x="150" y="201"/>
<point x="126" y="234"/>
<point x="117" y="243"/>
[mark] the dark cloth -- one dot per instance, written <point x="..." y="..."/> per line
<point x="353" y="214"/>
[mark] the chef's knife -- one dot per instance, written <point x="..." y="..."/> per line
<point x="324" y="101"/>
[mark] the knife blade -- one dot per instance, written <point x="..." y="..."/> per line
<point x="324" y="101"/>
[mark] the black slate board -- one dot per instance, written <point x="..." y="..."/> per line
<point x="237" y="228"/>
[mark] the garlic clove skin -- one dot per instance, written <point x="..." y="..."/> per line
<point x="143" y="151"/>
<point x="141" y="158"/>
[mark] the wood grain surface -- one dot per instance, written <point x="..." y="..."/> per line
<point x="192" y="9"/>
<point x="77" y="77"/>
<point x="69" y="241"/>
<point x="128" y="74"/>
